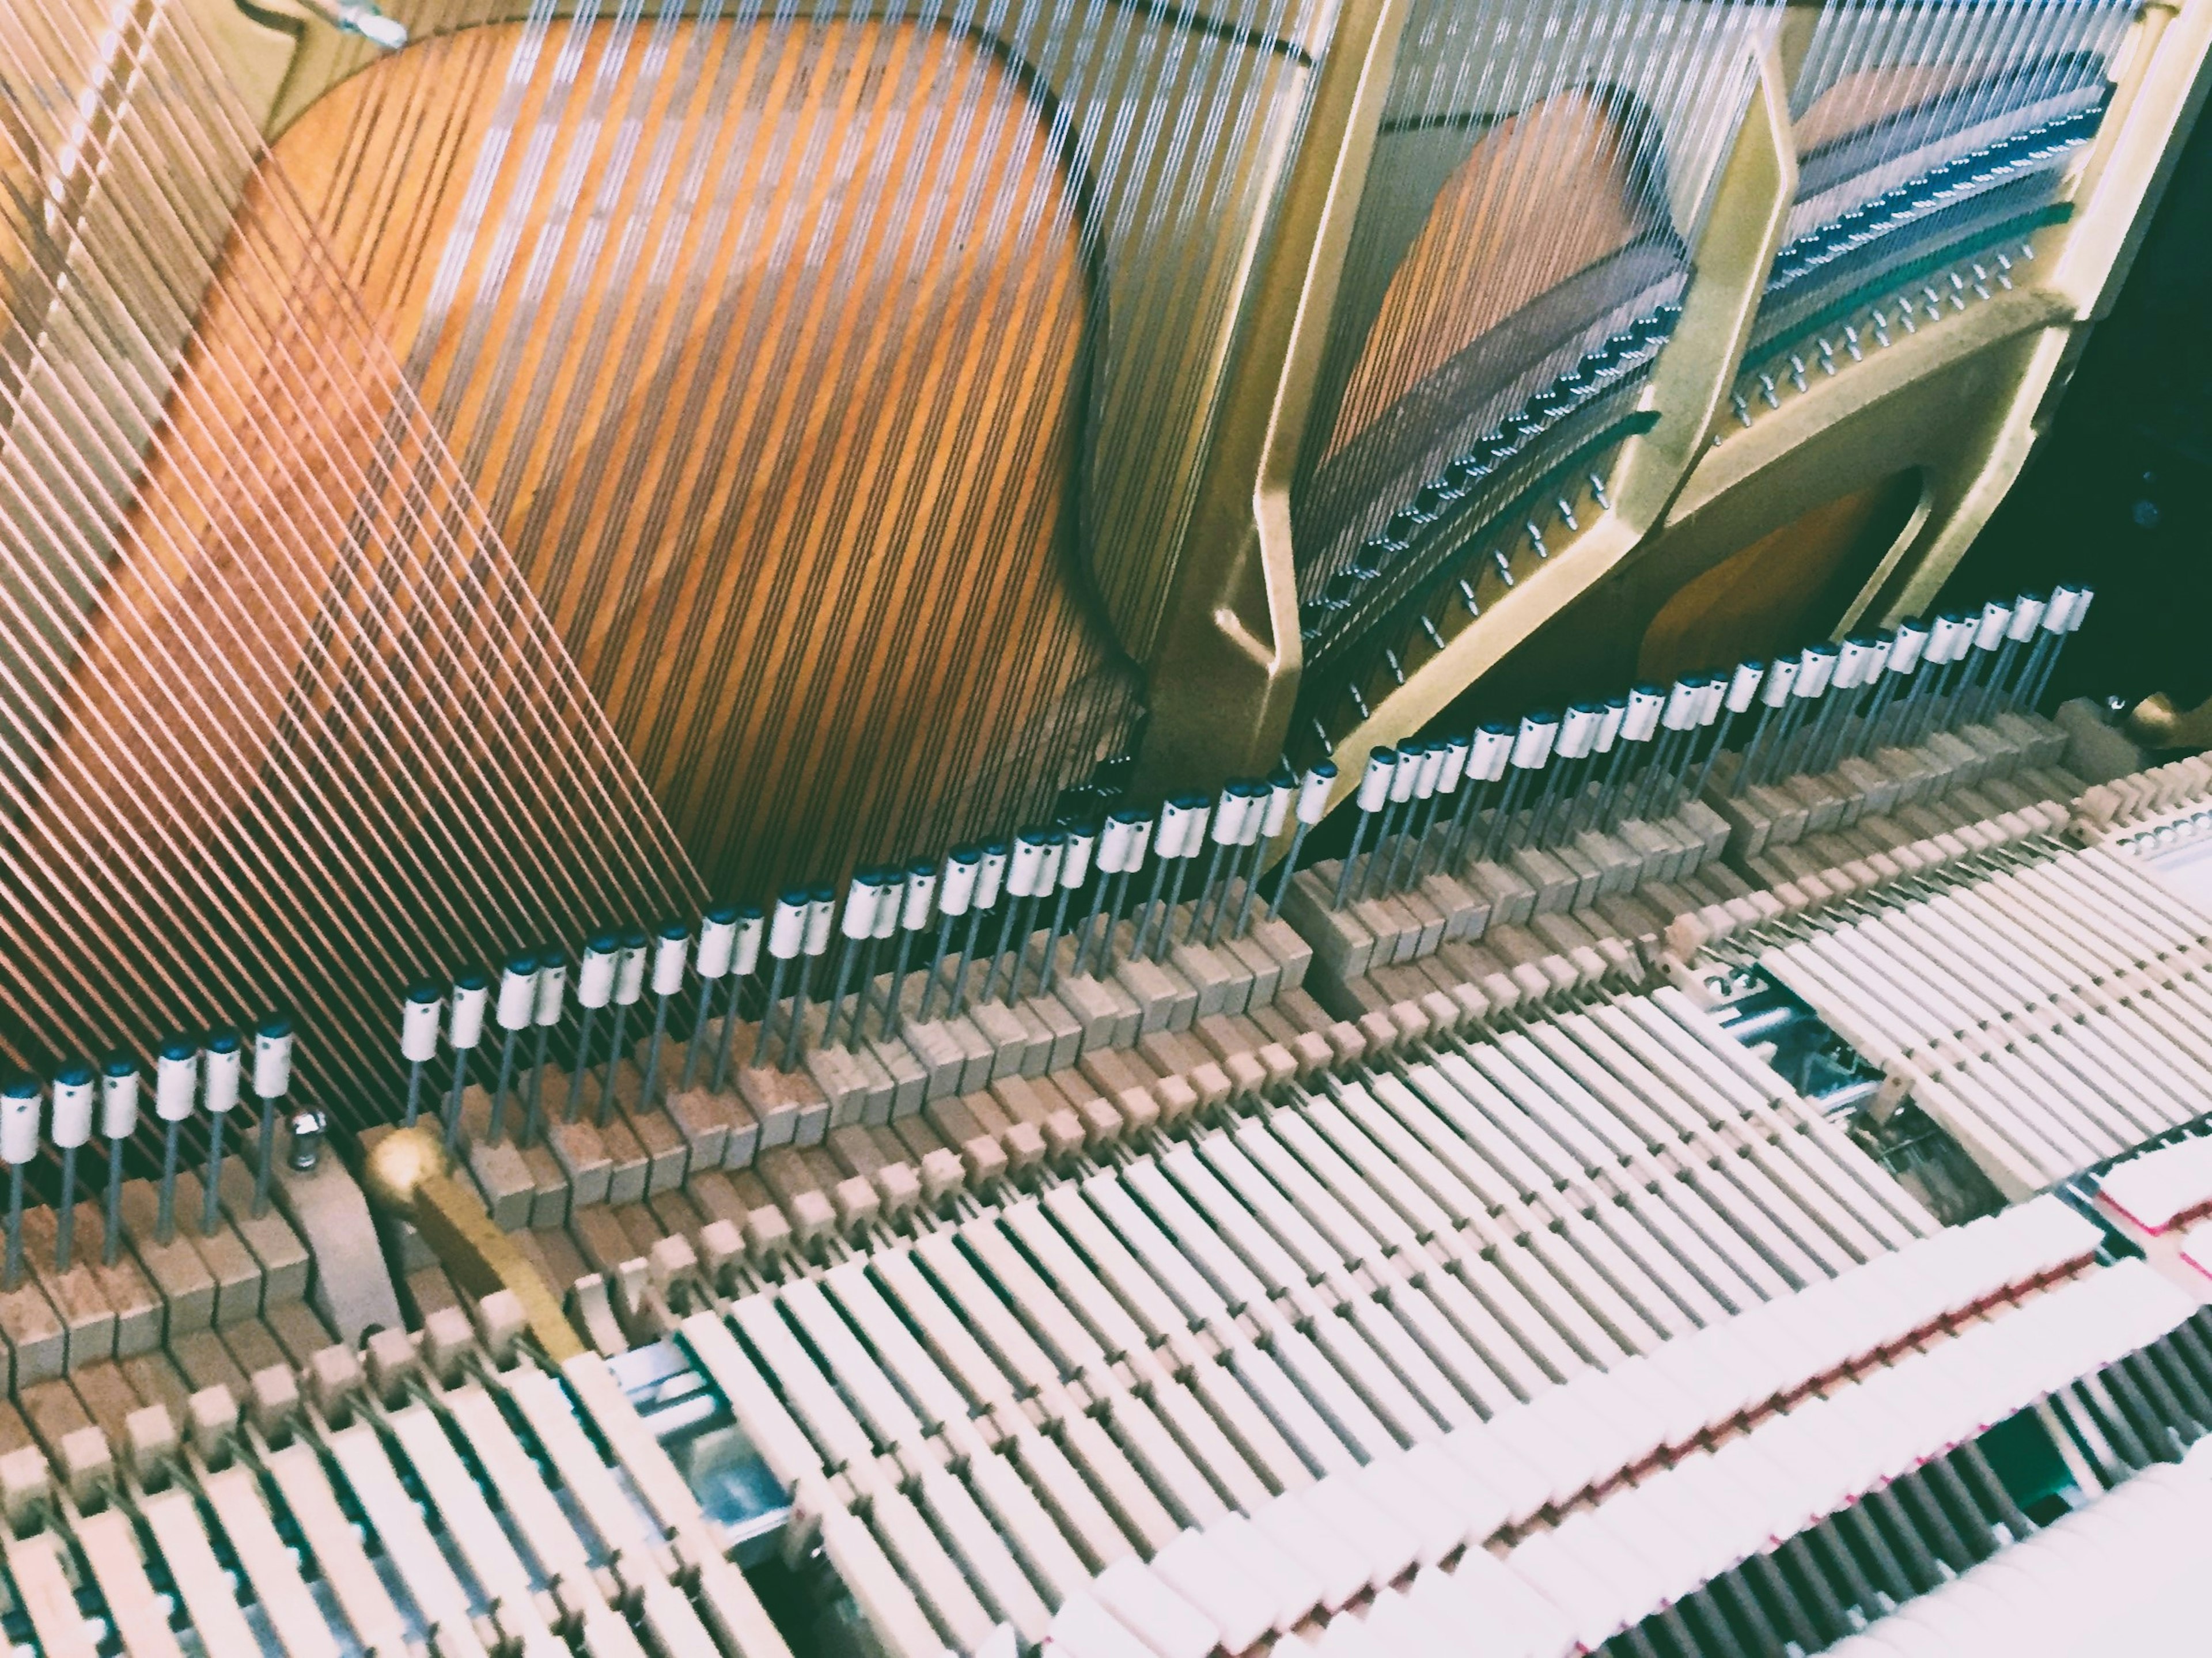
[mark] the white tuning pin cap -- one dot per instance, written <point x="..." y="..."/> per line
<point x="752" y="932"/>
<point x="1492" y="747"/>
<point x="221" y="1064"/>
<point x="1138" y="846"/>
<point x="1711" y="695"/>
<point x="118" y="1099"/>
<point x="1229" y="815"/>
<point x="1645" y="703"/>
<point x="595" y="974"/>
<point x="859" y="919"/>
<point x="1114" y="840"/>
<point x="176" y="1080"/>
<point x="1884" y="644"/>
<point x="2027" y="617"/>
<point x="1781" y="679"/>
<point x="919" y="897"/>
<point x="1025" y="869"/>
<point x="2079" y="609"/>
<point x="1906" y="649"/>
<point x="419" y="1016"/>
<point x="1578" y="730"/>
<point x="718" y="941"/>
<point x="787" y="928"/>
<point x="552" y="988"/>
<point x="1817" y="671"/>
<point x="1854" y="660"/>
<point x="990" y="878"/>
<point x="2058" y="614"/>
<point x="1991" y="629"/>
<point x="1613" y="713"/>
<point x="671" y="954"/>
<point x="821" y="918"/>
<point x="1075" y="862"/>
<point x="1432" y="769"/>
<point x="1314" y="790"/>
<point x="1743" y="685"/>
<point x="891" y="887"/>
<point x="1055" y="849"/>
<point x="1454" y="770"/>
<point x="19" y="1120"/>
<point x="1174" y="815"/>
<point x="1532" y="745"/>
<point x="1375" y="782"/>
<point x="465" y="1017"/>
<point x="962" y="870"/>
<point x="1681" y="710"/>
<point x="518" y="994"/>
<point x="629" y="969"/>
<point x="272" y="1058"/>
<point x="1199" y="813"/>
<point x="73" y="1095"/>
<point x="1406" y="774"/>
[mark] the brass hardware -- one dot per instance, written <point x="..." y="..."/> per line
<point x="1224" y="673"/>
<point x="2155" y="723"/>
<point x="406" y="1176"/>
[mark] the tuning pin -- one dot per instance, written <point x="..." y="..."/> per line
<point x="118" y="1120"/>
<point x="1490" y="747"/>
<point x="990" y="882"/>
<point x="629" y="986"/>
<point x="74" y="1088"/>
<point x="595" y="988"/>
<point x="549" y="1008"/>
<point x="1532" y="748"/>
<point x="916" y="903"/>
<point x="512" y="1010"/>
<point x="672" y="957"/>
<point x="419" y="1016"/>
<point x="1374" y="796"/>
<point x="717" y="954"/>
<point x="19" y="1144"/>
<point x="1451" y="772"/>
<point x="1741" y="691"/>
<point x="1167" y="848"/>
<point x="176" y="1086"/>
<point x="1405" y="779"/>
<point x="1571" y="753"/>
<point x="465" y="1023"/>
<point x="963" y="869"/>
<point x="1141" y="843"/>
<point x="1269" y="812"/>
<point x="1222" y="835"/>
<point x="222" y="1067"/>
<point x="820" y="918"/>
<point x="1118" y="839"/>
<point x="863" y="898"/>
<point x="273" y="1081"/>
<point x="1026" y="879"/>
<point x="2061" y="618"/>
<point x="891" y="887"/>
<point x="1074" y="870"/>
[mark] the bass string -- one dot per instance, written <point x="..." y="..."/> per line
<point x="246" y="651"/>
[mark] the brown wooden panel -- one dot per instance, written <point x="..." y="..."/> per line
<point x="806" y="520"/>
<point x="1782" y="589"/>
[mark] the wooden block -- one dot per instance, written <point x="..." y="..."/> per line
<point x="704" y="1121"/>
<point x="299" y="1329"/>
<point x="180" y="1276"/>
<point x="779" y="1100"/>
<point x="123" y="1285"/>
<point x="237" y="1275"/>
<point x="602" y="1240"/>
<point x="1212" y="974"/>
<point x="548" y="1203"/>
<point x="108" y="1398"/>
<point x="206" y="1363"/>
<point x="253" y="1348"/>
<point x="909" y="1080"/>
<point x="576" y="1146"/>
<point x="87" y="1321"/>
<point x="1339" y="938"/>
<point x="36" y="1339"/>
<point x="284" y="1262"/>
